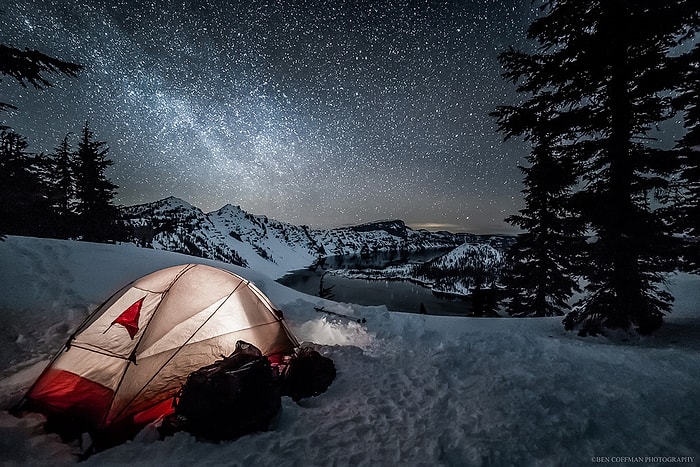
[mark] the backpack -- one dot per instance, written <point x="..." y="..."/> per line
<point x="227" y="399"/>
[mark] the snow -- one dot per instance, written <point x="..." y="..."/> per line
<point x="411" y="389"/>
<point x="457" y="269"/>
<point x="269" y="246"/>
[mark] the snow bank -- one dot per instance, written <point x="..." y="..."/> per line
<point x="411" y="389"/>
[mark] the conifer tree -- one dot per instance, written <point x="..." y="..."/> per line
<point x="24" y="208"/>
<point x="538" y="279"/>
<point x="96" y="213"/>
<point x="601" y="70"/>
<point x="61" y="185"/>
<point x="688" y="208"/>
<point x="27" y="67"/>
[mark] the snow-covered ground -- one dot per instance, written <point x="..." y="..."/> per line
<point x="411" y="389"/>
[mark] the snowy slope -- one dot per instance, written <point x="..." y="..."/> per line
<point x="265" y="240"/>
<point x="235" y="236"/>
<point x="459" y="270"/>
<point x="470" y="256"/>
<point x="175" y="225"/>
<point x="411" y="389"/>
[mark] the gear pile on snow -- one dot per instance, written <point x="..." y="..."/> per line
<point x="120" y="370"/>
<point x="227" y="399"/>
<point x="241" y="393"/>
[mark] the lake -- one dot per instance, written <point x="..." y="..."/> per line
<point x="396" y="295"/>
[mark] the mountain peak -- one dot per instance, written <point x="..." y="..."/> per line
<point x="169" y="203"/>
<point x="174" y="202"/>
<point x="229" y="209"/>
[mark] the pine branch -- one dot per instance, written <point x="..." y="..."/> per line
<point x="30" y="67"/>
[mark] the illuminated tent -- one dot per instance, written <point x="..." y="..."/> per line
<point x="122" y="367"/>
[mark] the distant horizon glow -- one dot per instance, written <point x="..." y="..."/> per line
<point x="325" y="113"/>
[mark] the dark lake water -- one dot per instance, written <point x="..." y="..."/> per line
<point x="396" y="295"/>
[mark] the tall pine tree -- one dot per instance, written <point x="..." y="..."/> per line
<point x="688" y="208"/>
<point x="62" y="188"/>
<point x="602" y="66"/>
<point x="538" y="279"/>
<point x="96" y="213"/>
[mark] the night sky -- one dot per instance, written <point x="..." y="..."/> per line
<point x="325" y="113"/>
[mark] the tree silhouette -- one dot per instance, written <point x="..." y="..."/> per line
<point x="24" y="208"/>
<point x="60" y="181"/>
<point x="601" y="72"/>
<point x="687" y="209"/>
<point x="30" y="67"/>
<point x="538" y="277"/>
<point x="323" y="291"/>
<point x="96" y="214"/>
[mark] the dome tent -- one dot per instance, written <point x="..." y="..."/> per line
<point x="123" y="365"/>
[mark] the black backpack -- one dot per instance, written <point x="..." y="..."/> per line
<point x="228" y="399"/>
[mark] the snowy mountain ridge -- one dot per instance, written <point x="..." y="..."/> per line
<point x="232" y="235"/>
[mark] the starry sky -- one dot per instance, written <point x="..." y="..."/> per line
<point x="318" y="112"/>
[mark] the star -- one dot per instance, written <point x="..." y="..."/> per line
<point x="321" y="113"/>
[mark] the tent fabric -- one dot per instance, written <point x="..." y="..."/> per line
<point x="131" y="356"/>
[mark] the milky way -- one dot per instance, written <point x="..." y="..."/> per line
<point x="323" y="113"/>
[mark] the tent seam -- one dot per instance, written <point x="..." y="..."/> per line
<point x="116" y="416"/>
<point x="126" y="368"/>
